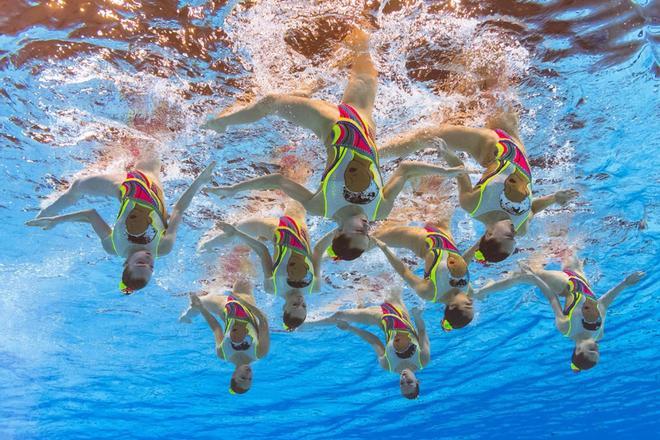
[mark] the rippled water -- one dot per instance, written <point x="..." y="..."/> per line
<point x="85" y="82"/>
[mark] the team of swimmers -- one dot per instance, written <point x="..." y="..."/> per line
<point x="353" y="194"/>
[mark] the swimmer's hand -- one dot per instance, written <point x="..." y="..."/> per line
<point x="634" y="278"/>
<point x="215" y="124"/>
<point x="227" y="228"/>
<point x="219" y="191"/>
<point x="343" y="325"/>
<point x="195" y="302"/>
<point x="44" y="223"/>
<point x="565" y="196"/>
<point x="377" y="242"/>
<point x="525" y="268"/>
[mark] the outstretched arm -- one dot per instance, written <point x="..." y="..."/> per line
<point x="167" y="242"/>
<point x="424" y="342"/>
<point x="255" y="245"/>
<point x="560" y="197"/>
<point x="561" y="321"/>
<point x="218" y="334"/>
<point x="273" y="181"/>
<point x="611" y="295"/>
<point x="317" y="256"/>
<point x="106" y="185"/>
<point x="491" y="286"/>
<point x="418" y="284"/>
<point x="370" y="338"/>
<point x="103" y="231"/>
<point x="455" y="136"/>
<point x="408" y="170"/>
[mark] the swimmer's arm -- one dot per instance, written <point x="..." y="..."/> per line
<point x="561" y="321"/>
<point x="317" y="255"/>
<point x="418" y="284"/>
<point x="468" y="255"/>
<point x="455" y="136"/>
<point x="218" y="334"/>
<point x="175" y="219"/>
<point x="611" y="295"/>
<point x="103" y="231"/>
<point x="405" y="237"/>
<point x="424" y="342"/>
<point x="263" y="331"/>
<point x="560" y="197"/>
<point x="275" y="181"/>
<point x="503" y="284"/>
<point x="468" y="196"/>
<point x="370" y="338"/>
<point x="260" y="249"/>
<point x="405" y="171"/>
<point x="99" y="185"/>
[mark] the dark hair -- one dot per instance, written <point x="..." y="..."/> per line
<point x="341" y="247"/>
<point x="291" y="322"/>
<point x="491" y="249"/>
<point x="233" y="385"/>
<point x="458" y="317"/>
<point x="131" y="282"/>
<point x="582" y="361"/>
<point x="409" y="352"/>
<point x="414" y="394"/>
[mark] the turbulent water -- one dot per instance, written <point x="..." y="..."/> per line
<point x="85" y="83"/>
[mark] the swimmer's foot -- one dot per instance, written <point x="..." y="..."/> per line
<point x="357" y="40"/>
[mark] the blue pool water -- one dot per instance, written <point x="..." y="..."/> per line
<point x="83" y="81"/>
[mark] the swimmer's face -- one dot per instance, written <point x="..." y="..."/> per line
<point x="407" y="382"/>
<point x="588" y="348"/>
<point x="243" y="376"/>
<point x="140" y="264"/>
<point x="401" y="342"/>
<point x="296" y="268"/>
<point x="238" y="332"/>
<point x="463" y="303"/>
<point x="357" y="229"/>
<point x="515" y="187"/>
<point x="295" y="305"/>
<point x="590" y="311"/>
<point x="138" y="220"/>
<point x="357" y="176"/>
<point x="504" y="233"/>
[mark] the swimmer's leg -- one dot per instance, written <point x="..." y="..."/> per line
<point x="105" y="185"/>
<point x="313" y="114"/>
<point x="363" y="82"/>
<point x="368" y="316"/>
<point x="296" y="210"/>
<point x="572" y="261"/>
<point x="260" y="228"/>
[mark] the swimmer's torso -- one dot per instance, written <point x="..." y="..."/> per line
<point x="581" y="291"/>
<point x="235" y="312"/>
<point x="138" y="190"/>
<point x="290" y="237"/>
<point x="510" y="158"/>
<point x="442" y="246"/>
<point x="392" y="321"/>
<point x="351" y="137"/>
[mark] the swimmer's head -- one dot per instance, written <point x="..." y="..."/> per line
<point x="585" y="355"/>
<point x="358" y="176"/>
<point x="498" y="242"/>
<point x="241" y="379"/>
<point x="409" y="384"/>
<point x="352" y="239"/>
<point x="138" y="268"/>
<point x="295" y="310"/>
<point x="459" y="312"/>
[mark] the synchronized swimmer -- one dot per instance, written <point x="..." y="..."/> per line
<point x="353" y="194"/>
